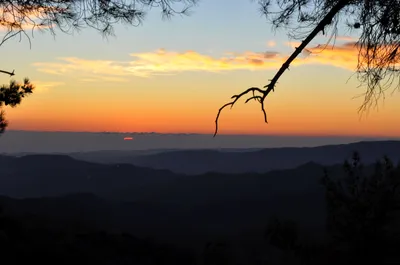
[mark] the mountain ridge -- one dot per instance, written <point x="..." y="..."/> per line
<point x="200" y="161"/>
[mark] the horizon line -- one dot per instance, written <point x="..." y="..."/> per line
<point x="211" y="134"/>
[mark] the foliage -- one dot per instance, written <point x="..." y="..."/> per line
<point x="378" y="25"/>
<point x="363" y="217"/>
<point x="12" y="95"/>
<point x="363" y="211"/>
<point x="69" y="15"/>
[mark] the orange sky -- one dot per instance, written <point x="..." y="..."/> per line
<point x="308" y="100"/>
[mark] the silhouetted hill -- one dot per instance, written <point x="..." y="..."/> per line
<point x="55" y="175"/>
<point x="180" y="224"/>
<point x="162" y="204"/>
<point x="58" y="194"/>
<point x="233" y="162"/>
<point x="170" y="207"/>
<point x="64" y="230"/>
<point x="50" y="175"/>
<point x="186" y="211"/>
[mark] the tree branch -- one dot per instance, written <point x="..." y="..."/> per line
<point x="8" y="73"/>
<point x="270" y="87"/>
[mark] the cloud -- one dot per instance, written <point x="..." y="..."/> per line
<point x="160" y="62"/>
<point x="163" y="62"/>
<point x="292" y="44"/>
<point x="41" y="86"/>
<point x="271" y="43"/>
<point x="87" y="70"/>
<point x="342" y="56"/>
<point x="103" y="78"/>
<point x="346" y="38"/>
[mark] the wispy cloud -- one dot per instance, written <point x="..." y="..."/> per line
<point x="346" y="38"/>
<point x="156" y="63"/>
<point x="292" y="44"/>
<point x="271" y="43"/>
<point x="86" y="70"/>
<point x="42" y="86"/>
<point x="103" y="78"/>
<point x="163" y="62"/>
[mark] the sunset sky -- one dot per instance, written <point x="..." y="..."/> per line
<point x="172" y="76"/>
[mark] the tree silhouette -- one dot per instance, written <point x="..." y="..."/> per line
<point x="363" y="218"/>
<point x="12" y="95"/>
<point x="378" y="22"/>
<point x="363" y="213"/>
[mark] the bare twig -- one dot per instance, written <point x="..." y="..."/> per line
<point x="7" y="72"/>
<point x="327" y="20"/>
<point x="9" y="35"/>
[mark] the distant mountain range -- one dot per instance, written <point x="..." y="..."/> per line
<point x="158" y="203"/>
<point x="52" y="175"/>
<point x="148" y="195"/>
<point x="235" y="161"/>
<point x="13" y="142"/>
<point x="175" y="207"/>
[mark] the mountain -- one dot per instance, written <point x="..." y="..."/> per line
<point x="172" y="223"/>
<point x="51" y="175"/>
<point x="62" y="194"/>
<point x="55" y="175"/>
<point x="194" y="162"/>
<point x="77" y="227"/>
<point x="158" y="203"/>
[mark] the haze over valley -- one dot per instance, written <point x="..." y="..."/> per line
<point x="67" y="142"/>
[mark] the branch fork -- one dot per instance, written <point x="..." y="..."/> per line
<point x="285" y="66"/>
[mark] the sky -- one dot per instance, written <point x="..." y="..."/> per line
<point x="171" y="76"/>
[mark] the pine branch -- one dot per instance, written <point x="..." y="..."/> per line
<point x="270" y="87"/>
